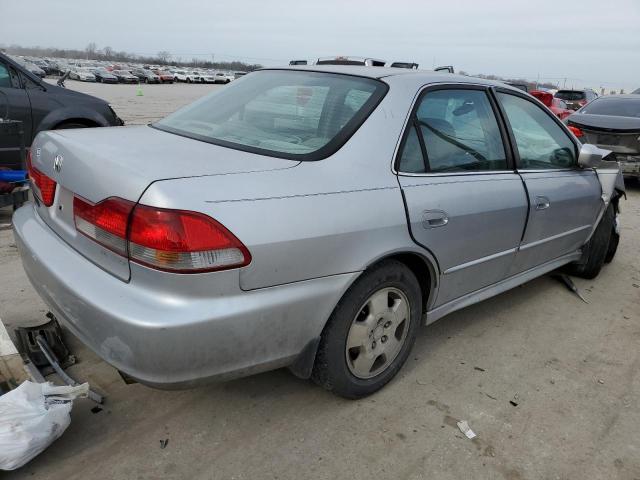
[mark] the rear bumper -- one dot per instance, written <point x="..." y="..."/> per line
<point x="174" y="331"/>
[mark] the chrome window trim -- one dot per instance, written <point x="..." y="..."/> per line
<point x="406" y="122"/>
<point x="455" y="173"/>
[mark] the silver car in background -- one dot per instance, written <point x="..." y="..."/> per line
<point x="310" y="218"/>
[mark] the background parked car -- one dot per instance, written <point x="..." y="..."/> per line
<point x="557" y="106"/>
<point x="82" y="74"/>
<point x="576" y="99"/>
<point x="104" y="76"/>
<point x="145" y="76"/>
<point x="612" y="122"/>
<point x="42" y="106"/>
<point x="124" y="76"/>
<point x="221" y="77"/>
<point x="31" y="67"/>
<point x="180" y="76"/>
<point x="165" y="76"/>
<point x="207" y="77"/>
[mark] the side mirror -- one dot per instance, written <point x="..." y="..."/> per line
<point x="591" y="156"/>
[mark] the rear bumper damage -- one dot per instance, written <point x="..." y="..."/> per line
<point x="170" y="330"/>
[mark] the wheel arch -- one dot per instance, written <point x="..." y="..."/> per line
<point x="423" y="266"/>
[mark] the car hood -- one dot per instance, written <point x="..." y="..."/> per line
<point x="606" y="122"/>
<point x="64" y="95"/>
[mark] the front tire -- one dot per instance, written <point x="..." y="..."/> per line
<point x="594" y="253"/>
<point x="370" y="332"/>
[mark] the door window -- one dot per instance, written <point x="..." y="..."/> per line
<point x="541" y="143"/>
<point x="459" y="131"/>
<point x="5" y="79"/>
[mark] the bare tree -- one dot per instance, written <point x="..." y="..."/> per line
<point x="164" y="56"/>
<point x="108" y="52"/>
<point x="91" y="50"/>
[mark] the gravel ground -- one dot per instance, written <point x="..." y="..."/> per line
<point x="550" y="385"/>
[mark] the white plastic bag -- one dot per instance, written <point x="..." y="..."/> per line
<point x="31" y="417"/>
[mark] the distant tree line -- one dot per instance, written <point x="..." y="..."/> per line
<point x="92" y="52"/>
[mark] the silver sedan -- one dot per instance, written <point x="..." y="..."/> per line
<point x="310" y="218"/>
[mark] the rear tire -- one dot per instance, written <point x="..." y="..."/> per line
<point x="377" y="318"/>
<point x="596" y="249"/>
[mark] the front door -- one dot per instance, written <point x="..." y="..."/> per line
<point x="464" y="201"/>
<point x="564" y="199"/>
<point x="14" y="105"/>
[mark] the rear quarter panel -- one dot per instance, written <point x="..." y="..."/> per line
<point x="321" y="218"/>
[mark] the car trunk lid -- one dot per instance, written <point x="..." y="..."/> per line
<point x="621" y="135"/>
<point x="122" y="162"/>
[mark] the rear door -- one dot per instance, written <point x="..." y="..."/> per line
<point x="464" y="201"/>
<point x="14" y="105"/>
<point x="564" y="199"/>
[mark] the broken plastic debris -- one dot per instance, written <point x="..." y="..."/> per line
<point x="464" y="428"/>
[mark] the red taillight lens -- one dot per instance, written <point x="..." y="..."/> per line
<point x="576" y="131"/>
<point x="183" y="241"/>
<point x="172" y="240"/>
<point x="46" y="187"/>
<point x="105" y="222"/>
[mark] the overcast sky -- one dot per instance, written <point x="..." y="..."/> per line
<point x="590" y="42"/>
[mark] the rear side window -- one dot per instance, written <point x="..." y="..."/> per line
<point x="570" y="95"/>
<point x="459" y="131"/>
<point x="288" y="114"/>
<point x="541" y="143"/>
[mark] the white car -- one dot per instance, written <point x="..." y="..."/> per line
<point x="83" y="74"/>
<point x="207" y="77"/>
<point x="179" y="76"/>
<point x="222" y="77"/>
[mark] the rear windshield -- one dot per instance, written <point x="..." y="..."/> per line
<point x="570" y="95"/>
<point x="287" y="114"/>
<point x="620" y="107"/>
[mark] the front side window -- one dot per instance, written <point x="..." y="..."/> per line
<point x="459" y="131"/>
<point x="289" y="114"/>
<point x="541" y="143"/>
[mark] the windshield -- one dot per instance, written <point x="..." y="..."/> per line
<point x="570" y="95"/>
<point x="620" y="107"/>
<point x="288" y="114"/>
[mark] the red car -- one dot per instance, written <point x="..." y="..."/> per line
<point x="557" y="106"/>
<point x="165" y="77"/>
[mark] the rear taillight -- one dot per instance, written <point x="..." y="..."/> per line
<point x="172" y="240"/>
<point x="43" y="186"/>
<point x="105" y="222"/>
<point x="582" y="103"/>
<point x="576" y="131"/>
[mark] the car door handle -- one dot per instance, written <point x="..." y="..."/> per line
<point x="434" y="218"/>
<point x="542" y="202"/>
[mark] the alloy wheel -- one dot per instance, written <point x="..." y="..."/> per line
<point x="377" y="333"/>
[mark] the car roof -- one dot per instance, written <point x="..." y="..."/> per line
<point x="418" y="76"/>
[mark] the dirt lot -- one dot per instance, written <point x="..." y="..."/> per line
<point x="551" y="386"/>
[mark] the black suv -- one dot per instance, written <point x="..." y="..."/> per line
<point x="576" y="99"/>
<point x="42" y="106"/>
